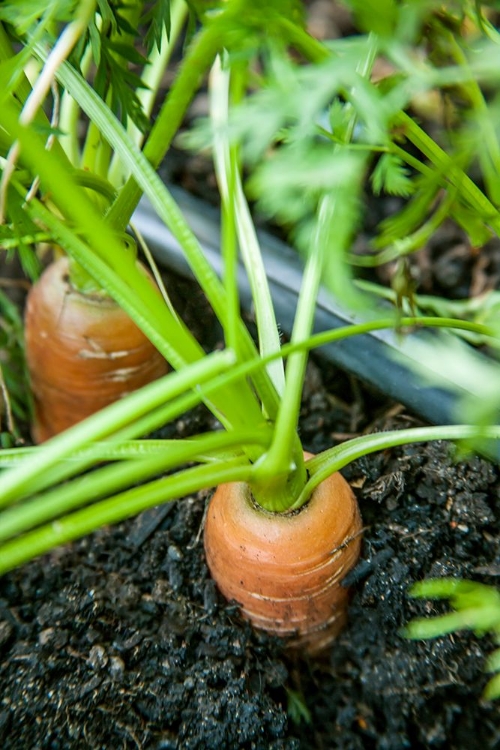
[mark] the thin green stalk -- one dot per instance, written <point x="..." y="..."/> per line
<point x="195" y="64"/>
<point x="103" y="482"/>
<point x="81" y="459"/>
<point x="61" y="50"/>
<point x="357" y="329"/>
<point x="18" y="481"/>
<point x="70" y="117"/>
<point x="417" y="164"/>
<point x="489" y="152"/>
<point x="363" y="69"/>
<point x="267" y="485"/>
<point x="152" y="76"/>
<point x="22" y="89"/>
<point x="226" y="179"/>
<point x="118" y="508"/>
<point x="18" y="81"/>
<point x="229" y="180"/>
<point x="154" y="72"/>
<point x="325" y="464"/>
<point x="103" y="451"/>
<point x="411" y="242"/>
<point x="466" y="188"/>
<point x="90" y="151"/>
<point x="97" y="152"/>
<point x="312" y="49"/>
<point x="102" y="162"/>
<point x="229" y="253"/>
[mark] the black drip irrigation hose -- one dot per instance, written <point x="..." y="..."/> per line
<point x="400" y="367"/>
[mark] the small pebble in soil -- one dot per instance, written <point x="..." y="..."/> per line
<point x="97" y="657"/>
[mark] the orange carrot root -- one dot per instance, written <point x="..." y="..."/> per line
<point x="83" y="352"/>
<point x="285" y="570"/>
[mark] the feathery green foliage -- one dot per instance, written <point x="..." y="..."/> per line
<point x="476" y="607"/>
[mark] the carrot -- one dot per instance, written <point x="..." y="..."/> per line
<point x="285" y="569"/>
<point x="83" y="352"/>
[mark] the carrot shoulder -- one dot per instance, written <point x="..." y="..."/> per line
<point x="285" y="570"/>
<point x="83" y="352"/>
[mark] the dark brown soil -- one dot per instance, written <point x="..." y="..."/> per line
<point x="122" y="641"/>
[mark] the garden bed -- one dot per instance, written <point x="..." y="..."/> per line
<point x="121" y="639"/>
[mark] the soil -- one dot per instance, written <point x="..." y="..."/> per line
<point x="121" y="640"/>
